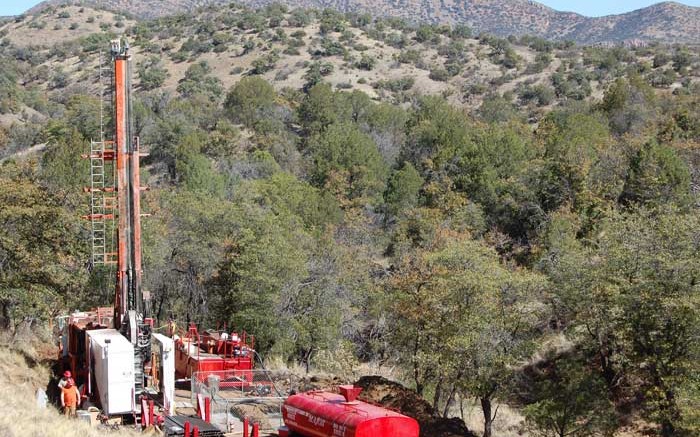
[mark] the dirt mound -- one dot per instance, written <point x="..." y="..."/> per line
<point x="390" y="394"/>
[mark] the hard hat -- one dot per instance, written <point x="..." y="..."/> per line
<point x="67" y="374"/>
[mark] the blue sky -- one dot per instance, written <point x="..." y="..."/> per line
<point x="586" y="7"/>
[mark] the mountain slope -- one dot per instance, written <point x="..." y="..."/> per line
<point x="668" y="22"/>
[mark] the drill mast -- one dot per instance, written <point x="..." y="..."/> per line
<point x="128" y="294"/>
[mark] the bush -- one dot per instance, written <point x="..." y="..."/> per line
<point x="440" y="74"/>
<point x="299" y="18"/>
<point x="401" y="84"/>
<point x="542" y="95"/>
<point x="424" y="33"/>
<point x="366" y="62"/>
<point x="331" y="21"/>
<point x="329" y="47"/>
<point x="265" y="63"/>
<point x="461" y="31"/>
<point x="661" y="59"/>
<point x="315" y="73"/>
<point x="409" y="56"/>
<point x="152" y="73"/>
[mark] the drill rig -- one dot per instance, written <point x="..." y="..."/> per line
<point x="113" y="352"/>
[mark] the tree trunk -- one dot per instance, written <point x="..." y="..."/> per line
<point x="488" y="417"/>
<point x="671" y="414"/>
<point x="416" y="369"/>
<point x="438" y="394"/>
<point x="450" y="400"/>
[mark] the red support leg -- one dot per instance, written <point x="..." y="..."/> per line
<point x="151" y="411"/>
<point x="207" y="410"/>
<point x="246" y="427"/>
<point x="187" y="429"/>
<point x="195" y="433"/>
<point x="256" y="430"/>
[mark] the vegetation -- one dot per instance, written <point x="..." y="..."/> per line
<point x="534" y="245"/>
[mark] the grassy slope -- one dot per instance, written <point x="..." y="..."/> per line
<point x="23" y="373"/>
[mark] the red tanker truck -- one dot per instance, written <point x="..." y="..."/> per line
<point x="324" y="414"/>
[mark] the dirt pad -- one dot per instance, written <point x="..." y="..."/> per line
<point x="379" y="390"/>
<point x="256" y="412"/>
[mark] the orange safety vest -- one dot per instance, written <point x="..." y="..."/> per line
<point x="70" y="396"/>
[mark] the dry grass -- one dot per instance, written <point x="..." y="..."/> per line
<point x="508" y="422"/>
<point x="19" y="414"/>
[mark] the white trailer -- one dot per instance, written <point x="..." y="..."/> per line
<point x="112" y="363"/>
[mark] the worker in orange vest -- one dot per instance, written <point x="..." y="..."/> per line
<point x="70" y="398"/>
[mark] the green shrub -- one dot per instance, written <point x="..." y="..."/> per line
<point x="366" y="62"/>
<point x="439" y="74"/>
<point x="401" y="84"/>
<point x="265" y="63"/>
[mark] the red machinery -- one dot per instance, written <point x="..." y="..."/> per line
<point x="324" y="414"/>
<point x="214" y="351"/>
<point x="115" y="197"/>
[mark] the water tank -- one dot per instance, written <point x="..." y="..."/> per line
<point x="321" y="414"/>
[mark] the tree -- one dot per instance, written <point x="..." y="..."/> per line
<point x="342" y="153"/>
<point x="570" y="402"/>
<point x="331" y="21"/>
<point x="573" y="142"/>
<point x="152" y="73"/>
<point x="41" y="251"/>
<point x="250" y="100"/>
<point x="656" y="175"/>
<point x="194" y="170"/>
<point x="403" y="188"/>
<point x="460" y="319"/>
<point x="315" y="73"/>
<point x="322" y="107"/>
<point x="198" y="81"/>
<point x="83" y="113"/>
<point x="630" y="301"/>
<point x="265" y="63"/>
<point x="61" y="166"/>
<point x="629" y="104"/>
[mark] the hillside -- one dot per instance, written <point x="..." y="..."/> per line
<point x="667" y="22"/>
<point x="500" y="224"/>
<point x="389" y="61"/>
